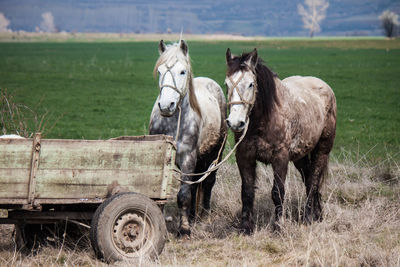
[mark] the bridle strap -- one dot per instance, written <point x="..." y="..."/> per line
<point x="181" y="95"/>
<point x="242" y="100"/>
<point x="174" y="87"/>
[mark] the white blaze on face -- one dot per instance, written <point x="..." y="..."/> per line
<point x="238" y="112"/>
<point x="176" y="77"/>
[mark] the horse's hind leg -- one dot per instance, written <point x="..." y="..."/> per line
<point x="192" y="212"/>
<point x="318" y="168"/>
<point x="207" y="186"/>
<point x="303" y="165"/>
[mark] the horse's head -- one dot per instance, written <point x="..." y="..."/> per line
<point x="241" y="82"/>
<point x="174" y="76"/>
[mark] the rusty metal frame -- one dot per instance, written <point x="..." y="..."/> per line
<point x="20" y="216"/>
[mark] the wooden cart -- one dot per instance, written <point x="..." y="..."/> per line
<point x="117" y="185"/>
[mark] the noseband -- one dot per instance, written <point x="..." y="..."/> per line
<point x="174" y="87"/>
<point x="242" y="100"/>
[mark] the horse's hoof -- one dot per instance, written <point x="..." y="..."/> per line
<point x="205" y="216"/>
<point x="309" y="218"/>
<point x="246" y="231"/>
<point x="276" y="227"/>
<point x="246" y="228"/>
<point x="184" y="237"/>
<point x="184" y="233"/>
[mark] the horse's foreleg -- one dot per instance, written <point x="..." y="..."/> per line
<point x="279" y="166"/>
<point x="246" y="161"/>
<point x="185" y="194"/>
<point x="184" y="204"/>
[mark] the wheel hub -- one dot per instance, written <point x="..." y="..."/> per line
<point x="130" y="233"/>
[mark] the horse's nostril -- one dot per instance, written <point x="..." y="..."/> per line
<point x="228" y="122"/>
<point x="241" y="125"/>
<point x="159" y="105"/>
<point x="172" y="106"/>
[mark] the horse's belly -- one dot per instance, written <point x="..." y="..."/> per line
<point x="306" y="114"/>
<point x="210" y="130"/>
<point x="305" y="132"/>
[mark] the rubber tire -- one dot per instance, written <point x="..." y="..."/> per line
<point x="106" y="216"/>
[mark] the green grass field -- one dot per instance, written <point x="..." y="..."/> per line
<point x="105" y="89"/>
<point x="102" y="90"/>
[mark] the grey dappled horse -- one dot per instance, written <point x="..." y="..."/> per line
<point x="202" y="123"/>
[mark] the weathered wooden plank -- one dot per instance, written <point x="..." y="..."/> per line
<point x="64" y="154"/>
<point x="14" y="190"/>
<point x="15" y="153"/>
<point x="168" y="174"/>
<point x="14" y="183"/>
<point x="81" y="170"/>
<point x="33" y="167"/>
<point x="94" y="183"/>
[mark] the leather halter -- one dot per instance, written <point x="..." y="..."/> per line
<point x="183" y="93"/>
<point x="242" y="100"/>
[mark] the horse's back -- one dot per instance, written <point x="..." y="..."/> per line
<point x="213" y="112"/>
<point x="310" y="106"/>
<point x="211" y="87"/>
<point x="309" y="91"/>
<point x="309" y="85"/>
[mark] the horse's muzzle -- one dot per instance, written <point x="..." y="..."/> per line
<point x="167" y="110"/>
<point x="236" y="127"/>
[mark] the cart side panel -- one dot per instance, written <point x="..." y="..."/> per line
<point x="87" y="184"/>
<point x="170" y="177"/>
<point x="86" y="169"/>
<point x="15" y="160"/>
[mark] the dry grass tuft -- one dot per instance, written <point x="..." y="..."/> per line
<point x="16" y="118"/>
<point x="361" y="225"/>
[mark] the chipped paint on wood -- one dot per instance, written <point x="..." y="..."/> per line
<point x="83" y="169"/>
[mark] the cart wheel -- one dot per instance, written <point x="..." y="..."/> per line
<point x="127" y="226"/>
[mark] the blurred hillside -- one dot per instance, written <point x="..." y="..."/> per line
<point x="252" y="17"/>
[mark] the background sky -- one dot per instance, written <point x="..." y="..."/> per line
<point x="250" y="17"/>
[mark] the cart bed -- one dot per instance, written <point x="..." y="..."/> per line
<point x="84" y="171"/>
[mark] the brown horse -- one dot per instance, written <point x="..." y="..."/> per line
<point x="288" y="120"/>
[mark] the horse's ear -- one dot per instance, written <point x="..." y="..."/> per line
<point x="184" y="47"/>
<point x="228" y="56"/>
<point x="252" y="58"/>
<point x="161" y="47"/>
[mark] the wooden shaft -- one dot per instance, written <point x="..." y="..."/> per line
<point x="34" y="166"/>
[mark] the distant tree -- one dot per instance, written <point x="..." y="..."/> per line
<point x="390" y="21"/>
<point x="47" y="24"/>
<point x="313" y="13"/>
<point x="4" y="22"/>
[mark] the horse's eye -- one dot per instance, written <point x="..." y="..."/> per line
<point x="183" y="72"/>
<point x="159" y="73"/>
<point x="251" y="85"/>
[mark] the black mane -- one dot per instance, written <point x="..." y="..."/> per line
<point x="266" y="87"/>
